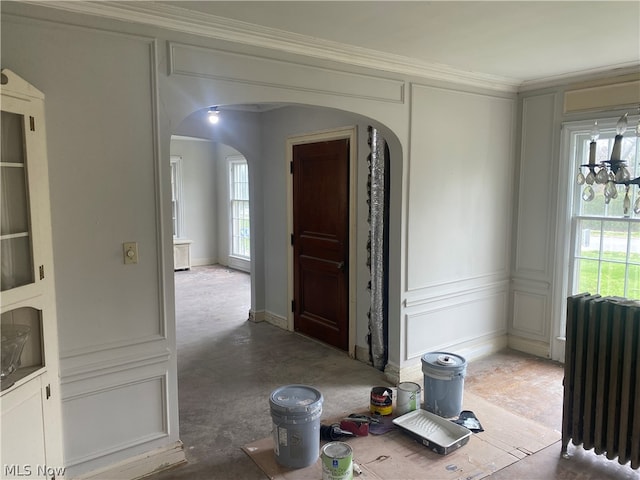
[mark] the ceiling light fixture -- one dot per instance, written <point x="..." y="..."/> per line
<point x="214" y="115"/>
<point x="612" y="172"/>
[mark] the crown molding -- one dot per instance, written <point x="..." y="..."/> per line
<point x="186" y="21"/>
<point x="593" y="75"/>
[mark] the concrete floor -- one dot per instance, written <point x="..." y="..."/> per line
<point x="227" y="367"/>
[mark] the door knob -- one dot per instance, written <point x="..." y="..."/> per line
<point x="340" y="265"/>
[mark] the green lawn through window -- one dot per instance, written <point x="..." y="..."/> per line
<point x="612" y="275"/>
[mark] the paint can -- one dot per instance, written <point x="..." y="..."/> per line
<point x="407" y="398"/>
<point x="296" y="411"/>
<point x="381" y="401"/>
<point x="337" y="461"/>
<point x="443" y="383"/>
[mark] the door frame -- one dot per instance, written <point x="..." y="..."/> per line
<point x="321" y="136"/>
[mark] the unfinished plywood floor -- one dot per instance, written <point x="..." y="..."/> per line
<point x="228" y="366"/>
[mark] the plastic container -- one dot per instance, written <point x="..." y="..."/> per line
<point x="296" y="411"/>
<point x="443" y="383"/>
<point x="434" y="432"/>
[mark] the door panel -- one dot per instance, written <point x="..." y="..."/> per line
<point x="321" y="240"/>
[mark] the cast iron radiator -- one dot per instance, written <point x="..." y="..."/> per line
<point x="601" y="408"/>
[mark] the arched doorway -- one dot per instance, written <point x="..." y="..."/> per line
<point x="262" y="134"/>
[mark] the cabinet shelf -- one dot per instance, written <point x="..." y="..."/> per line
<point x="20" y="376"/>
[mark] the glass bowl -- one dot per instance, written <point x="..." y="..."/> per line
<point x="13" y="340"/>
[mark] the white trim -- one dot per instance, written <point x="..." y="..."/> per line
<point x="471" y="350"/>
<point x="239" y="263"/>
<point x="203" y="262"/>
<point x="141" y="465"/>
<point x="256" y="316"/>
<point x="276" y="320"/>
<point x="350" y="133"/>
<point x="533" y="347"/>
<point x="211" y="26"/>
<point x="560" y="287"/>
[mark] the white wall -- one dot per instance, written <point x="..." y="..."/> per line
<point x="541" y="247"/>
<point x="116" y="92"/>
<point x="458" y="223"/>
<point x="115" y="321"/>
<point x="200" y="200"/>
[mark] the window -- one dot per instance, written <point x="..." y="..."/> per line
<point x="239" y="199"/>
<point x="605" y="242"/>
<point x="176" y="196"/>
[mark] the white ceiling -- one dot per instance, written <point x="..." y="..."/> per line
<point x="505" y="45"/>
<point x="518" y="41"/>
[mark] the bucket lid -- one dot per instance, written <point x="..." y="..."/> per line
<point x="443" y="361"/>
<point x="295" y="399"/>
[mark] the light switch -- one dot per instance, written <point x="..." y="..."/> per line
<point x="130" y="252"/>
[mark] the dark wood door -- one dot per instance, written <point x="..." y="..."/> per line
<point x="321" y="240"/>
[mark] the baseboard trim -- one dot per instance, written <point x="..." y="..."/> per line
<point x="276" y="320"/>
<point x="412" y="372"/>
<point x="533" y="347"/>
<point x="362" y="354"/>
<point x="142" y="465"/>
<point x="256" y="316"/>
<point x="203" y="262"/>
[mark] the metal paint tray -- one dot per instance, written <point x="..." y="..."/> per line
<point x="434" y="432"/>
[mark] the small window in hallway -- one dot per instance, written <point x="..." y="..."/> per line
<point x="176" y="195"/>
<point x="239" y="201"/>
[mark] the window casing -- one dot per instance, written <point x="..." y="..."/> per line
<point x="239" y="209"/>
<point x="176" y="196"/>
<point x="605" y="244"/>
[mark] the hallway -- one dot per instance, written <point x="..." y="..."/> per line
<point x="228" y="366"/>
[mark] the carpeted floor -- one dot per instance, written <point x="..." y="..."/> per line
<point x="228" y="366"/>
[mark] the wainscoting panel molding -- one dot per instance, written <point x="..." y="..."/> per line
<point x="530" y="315"/>
<point x="131" y="423"/>
<point x="430" y="327"/>
<point x="533" y="247"/>
<point x="235" y="67"/>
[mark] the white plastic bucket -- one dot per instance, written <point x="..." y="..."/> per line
<point x="295" y="411"/>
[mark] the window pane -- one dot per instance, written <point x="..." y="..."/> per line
<point x="239" y="193"/>
<point x="588" y="233"/>
<point x="612" y="278"/>
<point x="634" y="243"/>
<point x="12" y="145"/>
<point x="15" y="204"/>
<point x="587" y="276"/>
<point x="633" y="282"/>
<point x="16" y="262"/>
<point x="176" y="196"/>
<point x="614" y="241"/>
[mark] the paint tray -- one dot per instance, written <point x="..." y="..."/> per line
<point x="434" y="432"/>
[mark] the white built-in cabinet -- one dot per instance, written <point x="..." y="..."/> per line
<point x="31" y="432"/>
<point x="181" y="254"/>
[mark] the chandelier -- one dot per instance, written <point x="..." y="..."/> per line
<point x="612" y="172"/>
